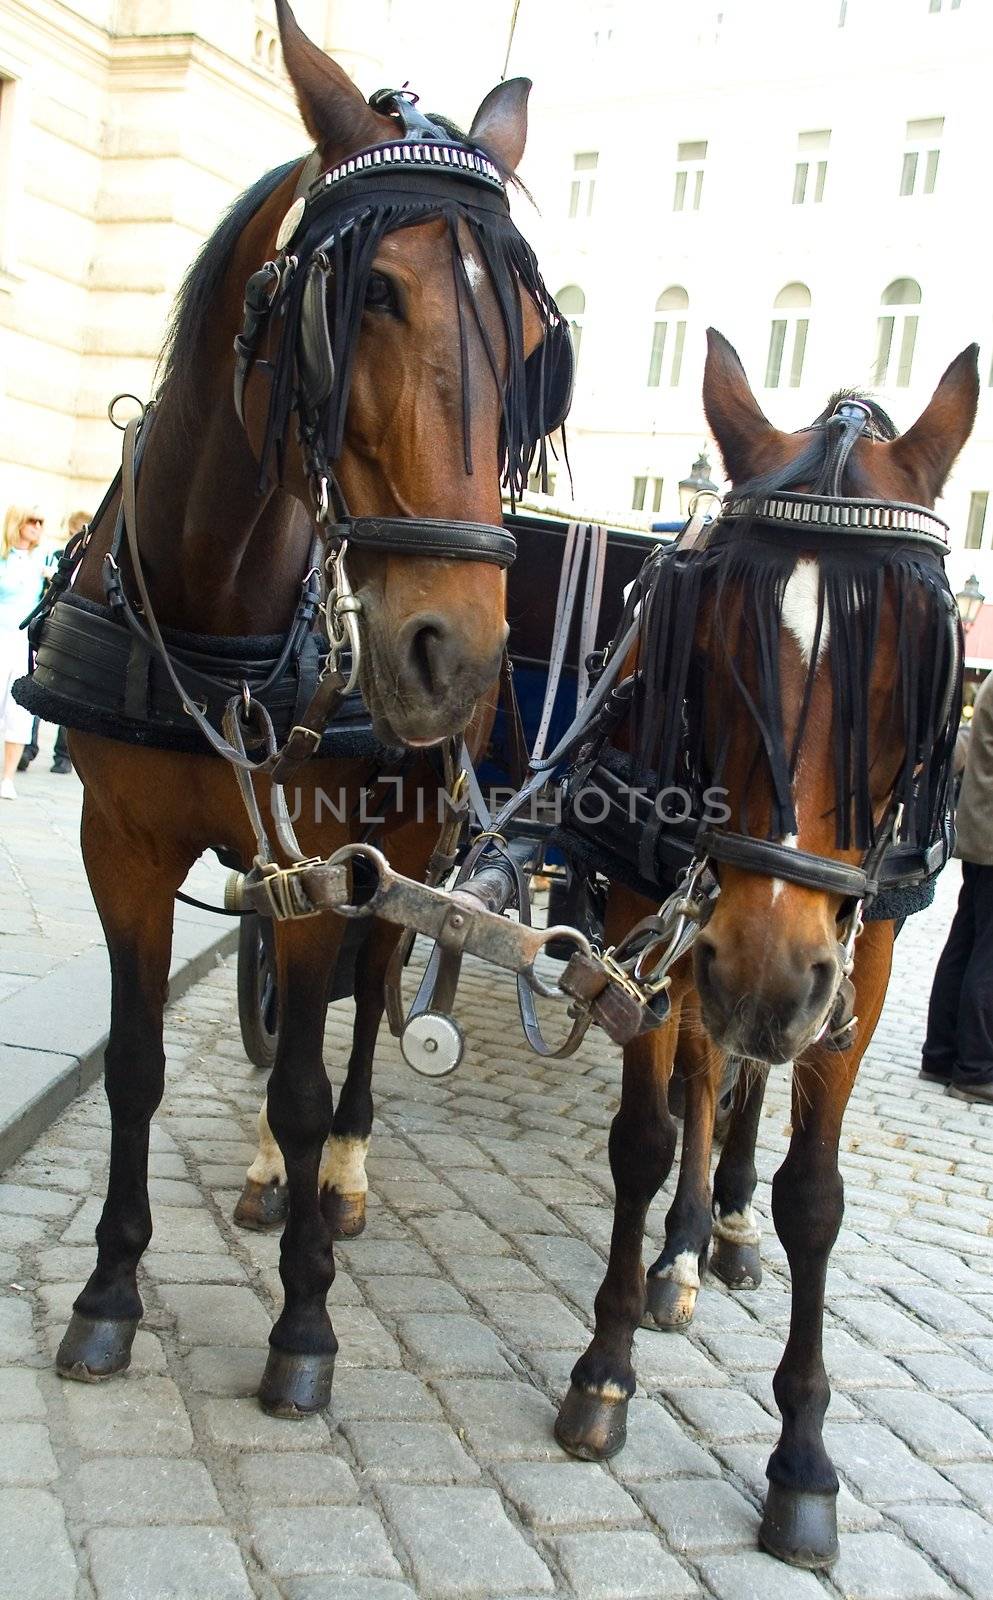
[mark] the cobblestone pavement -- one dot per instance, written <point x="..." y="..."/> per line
<point x="459" y="1313"/>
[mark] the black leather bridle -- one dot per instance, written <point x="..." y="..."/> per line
<point x="825" y="513"/>
<point x="288" y="298"/>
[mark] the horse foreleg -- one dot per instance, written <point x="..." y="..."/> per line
<point x="592" y="1421"/>
<point x="343" y="1177"/>
<point x="136" y="910"/>
<point x="297" y="1378"/>
<point x="736" y="1259"/>
<point x="800" y="1521"/>
<point x="673" y="1281"/>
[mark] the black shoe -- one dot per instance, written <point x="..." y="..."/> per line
<point x="981" y="1091"/>
<point x="25" y="761"/>
<point x="931" y="1075"/>
<point x="62" y="765"/>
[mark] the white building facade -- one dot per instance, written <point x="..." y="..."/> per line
<point x="808" y="177"/>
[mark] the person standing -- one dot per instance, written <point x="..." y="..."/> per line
<point x="61" y="762"/>
<point x="22" y="565"/>
<point x="958" y="1050"/>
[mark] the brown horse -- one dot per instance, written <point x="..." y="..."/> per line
<point x="821" y="690"/>
<point x="434" y="359"/>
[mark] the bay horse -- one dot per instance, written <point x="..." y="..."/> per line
<point x="814" y="673"/>
<point x="398" y="333"/>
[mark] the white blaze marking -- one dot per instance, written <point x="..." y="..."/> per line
<point x="800" y="609"/>
<point x="473" y="271"/>
<point x="268" y="1166"/>
<point x="789" y="842"/>
<point x="343" y="1165"/>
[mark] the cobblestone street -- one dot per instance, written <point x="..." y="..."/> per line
<point x="459" y="1313"/>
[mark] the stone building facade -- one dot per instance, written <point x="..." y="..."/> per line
<point x="804" y="177"/>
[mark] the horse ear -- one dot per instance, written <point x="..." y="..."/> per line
<point x="736" y="420"/>
<point x="335" y="112"/>
<point x="928" y="449"/>
<point x="501" y="123"/>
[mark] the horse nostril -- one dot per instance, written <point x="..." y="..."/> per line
<point x="823" y="977"/>
<point x="706" y="955"/>
<point x="422" y="655"/>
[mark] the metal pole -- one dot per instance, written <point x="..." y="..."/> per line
<point x="510" y="39"/>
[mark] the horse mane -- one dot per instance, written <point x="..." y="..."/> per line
<point x="179" y="361"/>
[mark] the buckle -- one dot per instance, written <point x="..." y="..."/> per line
<point x="307" y="733"/>
<point x="287" y="897"/>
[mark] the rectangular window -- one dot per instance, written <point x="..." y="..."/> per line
<point x="646" y="489"/>
<point x="799" y="350"/>
<point x="884" y="345"/>
<point x="919" y="172"/>
<point x="907" y="342"/>
<point x="774" y="365"/>
<point x="810" y="171"/>
<point x="690" y="157"/>
<point x="658" y="351"/>
<point x="677" y="354"/>
<point x="977" y="519"/>
<point x="584" y="166"/>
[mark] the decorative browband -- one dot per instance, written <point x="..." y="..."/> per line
<point x="452" y="158"/>
<point x="855" y="516"/>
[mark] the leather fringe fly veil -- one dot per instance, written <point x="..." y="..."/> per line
<point x="688" y="702"/>
<point x="341" y="240"/>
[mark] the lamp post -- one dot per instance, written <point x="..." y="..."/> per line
<point x="969" y="600"/>
<point x="699" y="482"/>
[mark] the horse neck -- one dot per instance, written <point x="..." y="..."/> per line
<point x="220" y="558"/>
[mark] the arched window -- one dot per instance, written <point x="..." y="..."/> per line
<point x="668" y="338"/>
<point x="571" y="301"/>
<point x="896" y="333"/>
<point x="788" y="337"/>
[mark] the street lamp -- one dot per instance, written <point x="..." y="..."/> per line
<point x="969" y="601"/>
<point x="699" y="482"/>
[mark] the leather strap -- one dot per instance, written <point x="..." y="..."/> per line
<point x="793" y="866"/>
<point x="427" y="536"/>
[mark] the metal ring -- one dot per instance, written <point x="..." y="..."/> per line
<point x="703" y="494"/>
<point x="558" y="931"/>
<point x="125" y="395"/>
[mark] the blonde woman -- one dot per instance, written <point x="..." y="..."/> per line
<point x="22" y="565"/>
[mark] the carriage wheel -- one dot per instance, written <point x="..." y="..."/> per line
<point x="258" y="1006"/>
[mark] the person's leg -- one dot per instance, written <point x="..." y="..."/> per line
<point x="11" y="756"/>
<point x="974" y="1061"/>
<point x="941" y="1044"/>
<point x="61" y="762"/>
<point x="30" y="749"/>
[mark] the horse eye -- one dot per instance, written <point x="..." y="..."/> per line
<point x="380" y="294"/>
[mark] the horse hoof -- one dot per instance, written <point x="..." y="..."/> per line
<point x="590" y="1427"/>
<point x="95" y="1347"/>
<point x="670" y="1304"/>
<point x="295" y="1386"/>
<point x="739" y="1266"/>
<point x="800" y="1527"/>
<point x="262" y="1205"/>
<point x="343" y="1213"/>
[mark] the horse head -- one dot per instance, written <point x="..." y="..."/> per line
<point x="407" y="319"/>
<point x="826" y="690"/>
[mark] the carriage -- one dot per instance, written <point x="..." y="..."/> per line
<point x="565" y="598"/>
